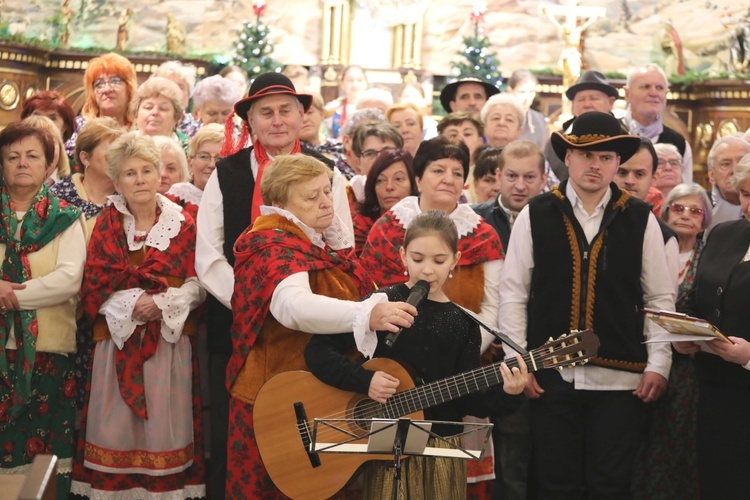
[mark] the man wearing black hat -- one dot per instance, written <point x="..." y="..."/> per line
<point x="592" y="92"/>
<point x="467" y="94"/>
<point x="587" y="255"/>
<point x="231" y="201"/>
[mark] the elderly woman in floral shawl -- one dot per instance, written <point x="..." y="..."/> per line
<point x="141" y="429"/>
<point x="293" y="277"/>
<point x="42" y="250"/>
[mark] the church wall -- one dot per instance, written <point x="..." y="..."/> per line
<point x="631" y="33"/>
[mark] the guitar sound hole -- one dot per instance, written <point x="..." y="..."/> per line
<point x="365" y="411"/>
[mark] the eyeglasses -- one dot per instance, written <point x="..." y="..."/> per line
<point x="373" y="153"/>
<point x="113" y="82"/>
<point x="672" y="163"/>
<point x="678" y="209"/>
<point x="206" y="158"/>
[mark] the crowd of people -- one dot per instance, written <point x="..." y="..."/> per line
<point x="177" y="244"/>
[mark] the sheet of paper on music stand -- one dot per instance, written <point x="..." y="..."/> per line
<point x="382" y="442"/>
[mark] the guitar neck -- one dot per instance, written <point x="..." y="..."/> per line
<point x="448" y="389"/>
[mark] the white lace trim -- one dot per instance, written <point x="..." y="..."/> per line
<point x="358" y="187"/>
<point x="166" y="228"/>
<point x="186" y="191"/>
<point x="466" y="219"/>
<point x="188" y="491"/>
<point x="175" y="307"/>
<point x="118" y="310"/>
<point x="366" y="339"/>
<point x="64" y="466"/>
<point x="335" y="235"/>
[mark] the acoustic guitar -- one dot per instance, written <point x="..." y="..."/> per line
<point x="288" y="403"/>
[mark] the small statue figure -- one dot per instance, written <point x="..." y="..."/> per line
<point x="66" y="16"/>
<point x="671" y="48"/>
<point x="175" y="36"/>
<point x="122" y="29"/>
<point x="739" y="50"/>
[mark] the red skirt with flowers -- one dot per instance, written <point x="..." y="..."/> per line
<point x="45" y="426"/>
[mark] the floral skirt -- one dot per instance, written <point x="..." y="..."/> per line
<point x="45" y="426"/>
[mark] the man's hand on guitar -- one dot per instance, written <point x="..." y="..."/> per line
<point x="533" y="390"/>
<point x="390" y="316"/>
<point x="514" y="379"/>
<point x="382" y="386"/>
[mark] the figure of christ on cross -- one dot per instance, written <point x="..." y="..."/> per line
<point x="572" y="20"/>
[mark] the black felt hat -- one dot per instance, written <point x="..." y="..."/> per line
<point x="448" y="93"/>
<point x="591" y="80"/>
<point x="269" y="84"/>
<point x="595" y="131"/>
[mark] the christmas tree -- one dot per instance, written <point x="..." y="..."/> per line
<point x="478" y="58"/>
<point x="254" y="48"/>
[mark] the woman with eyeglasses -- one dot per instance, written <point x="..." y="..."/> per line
<point x="109" y="84"/>
<point x="203" y="153"/>
<point x="671" y="431"/>
<point x="721" y="288"/>
<point x="369" y="140"/>
<point x="669" y="168"/>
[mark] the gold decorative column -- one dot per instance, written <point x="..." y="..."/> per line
<point x="407" y="45"/>
<point x="337" y="20"/>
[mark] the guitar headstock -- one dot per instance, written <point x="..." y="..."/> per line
<point x="574" y="348"/>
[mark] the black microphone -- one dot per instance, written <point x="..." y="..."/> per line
<point x="416" y="295"/>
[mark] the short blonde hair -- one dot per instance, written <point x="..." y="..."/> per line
<point x="39" y="121"/>
<point x="507" y="100"/>
<point x="284" y="172"/>
<point x="741" y="171"/>
<point x="164" y="144"/>
<point x="131" y="145"/>
<point x="157" y="86"/>
<point x="403" y="107"/>
<point x="185" y="72"/>
<point x="213" y="132"/>
<point x="93" y="133"/>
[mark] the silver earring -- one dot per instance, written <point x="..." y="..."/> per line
<point x="406" y="273"/>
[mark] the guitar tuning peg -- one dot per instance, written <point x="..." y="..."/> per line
<point x="559" y="368"/>
<point x="550" y="339"/>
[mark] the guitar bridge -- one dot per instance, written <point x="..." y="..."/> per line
<point x="304" y="433"/>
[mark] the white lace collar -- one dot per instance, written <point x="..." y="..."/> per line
<point x="336" y="237"/>
<point x="166" y="228"/>
<point x="463" y="216"/>
<point x="186" y="191"/>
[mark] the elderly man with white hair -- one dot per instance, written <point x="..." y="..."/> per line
<point x="722" y="159"/>
<point x="231" y="202"/>
<point x="646" y="92"/>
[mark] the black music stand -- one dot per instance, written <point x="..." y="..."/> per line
<point x="397" y="437"/>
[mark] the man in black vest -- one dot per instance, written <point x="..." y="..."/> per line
<point x="646" y="92"/>
<point x="588" y="255"/>
<point x="274" y="111"/>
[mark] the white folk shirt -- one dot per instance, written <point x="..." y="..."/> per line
<point x="656" y="282"/>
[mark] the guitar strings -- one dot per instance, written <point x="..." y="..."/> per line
<point x="405" y="402"/>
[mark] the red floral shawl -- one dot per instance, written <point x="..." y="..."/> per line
<point x="381" y="258"/>
<point x="274" y="249"/>
<point x="108" y="270"/>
